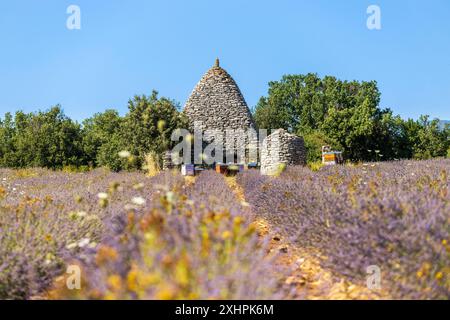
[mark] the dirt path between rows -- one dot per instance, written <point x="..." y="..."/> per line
<point x="308" y="278"/>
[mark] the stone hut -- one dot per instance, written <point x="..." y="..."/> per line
<point x="281" y="147"/>
<point x="216" y="103"/>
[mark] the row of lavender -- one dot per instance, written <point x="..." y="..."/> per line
<point x="132" y="236"/>
<point x="395" y="216"/>
<point x="191" y="244"/>
<point x="47" y="217"/>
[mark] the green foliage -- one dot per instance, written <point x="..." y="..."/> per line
<point x="50" y="139"/>
<point x="148" y="126"/>
<point x="347" y="115"/>
<point x="429" y="140"/>
<point x="325" y="111"/>
<point x="314" y="140"/>
<point x="43" y="139"/>
<point x="108" y="154"/>
<point x="98" y="131"/>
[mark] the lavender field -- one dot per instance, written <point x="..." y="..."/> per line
<point x="169" y="237"/>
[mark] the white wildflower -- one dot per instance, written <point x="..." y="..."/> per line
<point x="139" y="201"/>
<point x="81" y="214"/>
<point x="124" y="154"/>
<point x="102" y="195"/>
<point x="170" y="196"/>
<point x="71" y="246"/>
<point x="83" y="242"/>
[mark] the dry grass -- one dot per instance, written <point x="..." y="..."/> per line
<point x="151" y="165"/>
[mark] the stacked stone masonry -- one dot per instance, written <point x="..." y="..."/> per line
<point x="281" y="147"/>
<point x="216" y="103"/>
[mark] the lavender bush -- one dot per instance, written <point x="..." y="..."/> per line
<point x="392" y="215"/>
<point x="48" y="217"/>
<point x="191" y="244"/>
<point x="168" y="237"/>
<point x="133" y="237"/>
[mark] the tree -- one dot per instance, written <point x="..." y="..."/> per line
<point x="43" y="139"/>
<point x="7" y="131"/>
<point x="429" y="140"/>
<point x="98" y="131"/>
<point x="108" y="154"/>
<point x="147" y="127"/>
<point x="314" y="140"/>
<point x="300" y="103"/>
<point x="346" y="114"/>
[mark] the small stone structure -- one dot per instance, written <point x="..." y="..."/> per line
<point x="167" y="161"/>
<point x="279" y="148"/>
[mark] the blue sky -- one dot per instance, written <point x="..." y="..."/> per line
<point x="131" y="47"/>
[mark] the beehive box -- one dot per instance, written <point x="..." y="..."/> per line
<point x="188" y="170"/>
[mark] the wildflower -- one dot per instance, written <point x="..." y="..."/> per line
<point x="165" y="293"/>
<point x="124" y="154"/>
<point x="138" y="186"/>
<point x="182" y="272"/>
<point x="226" y="235"/>
<point x="170" y="196"/>
<point x="439" y="275"/>
<point x="71" y="246"/>
<point x="139" y="201"/>
<point x="114" y="186"/>
<point x="81" y="214"/>
<point x="102" y="196"/>
<point x="129" y="207"/>
<point x="444" y="242"/>
<point x="245" y="204"/>
<point x="49" y="258"/>
<point x="238" y="220"/>
<point x="83" y="242"/>
<point x="114" y="282"/>
<point x="105" y="254"/>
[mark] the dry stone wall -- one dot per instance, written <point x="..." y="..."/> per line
<point x="279" y="148"/>
<point x="216" y="103"/>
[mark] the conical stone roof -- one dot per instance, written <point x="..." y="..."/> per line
<point x="217" y="102"/>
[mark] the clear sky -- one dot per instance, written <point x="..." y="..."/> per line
<point x="131" y="47"/>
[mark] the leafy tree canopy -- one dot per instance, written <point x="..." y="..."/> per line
<point x="346" y="114"/>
